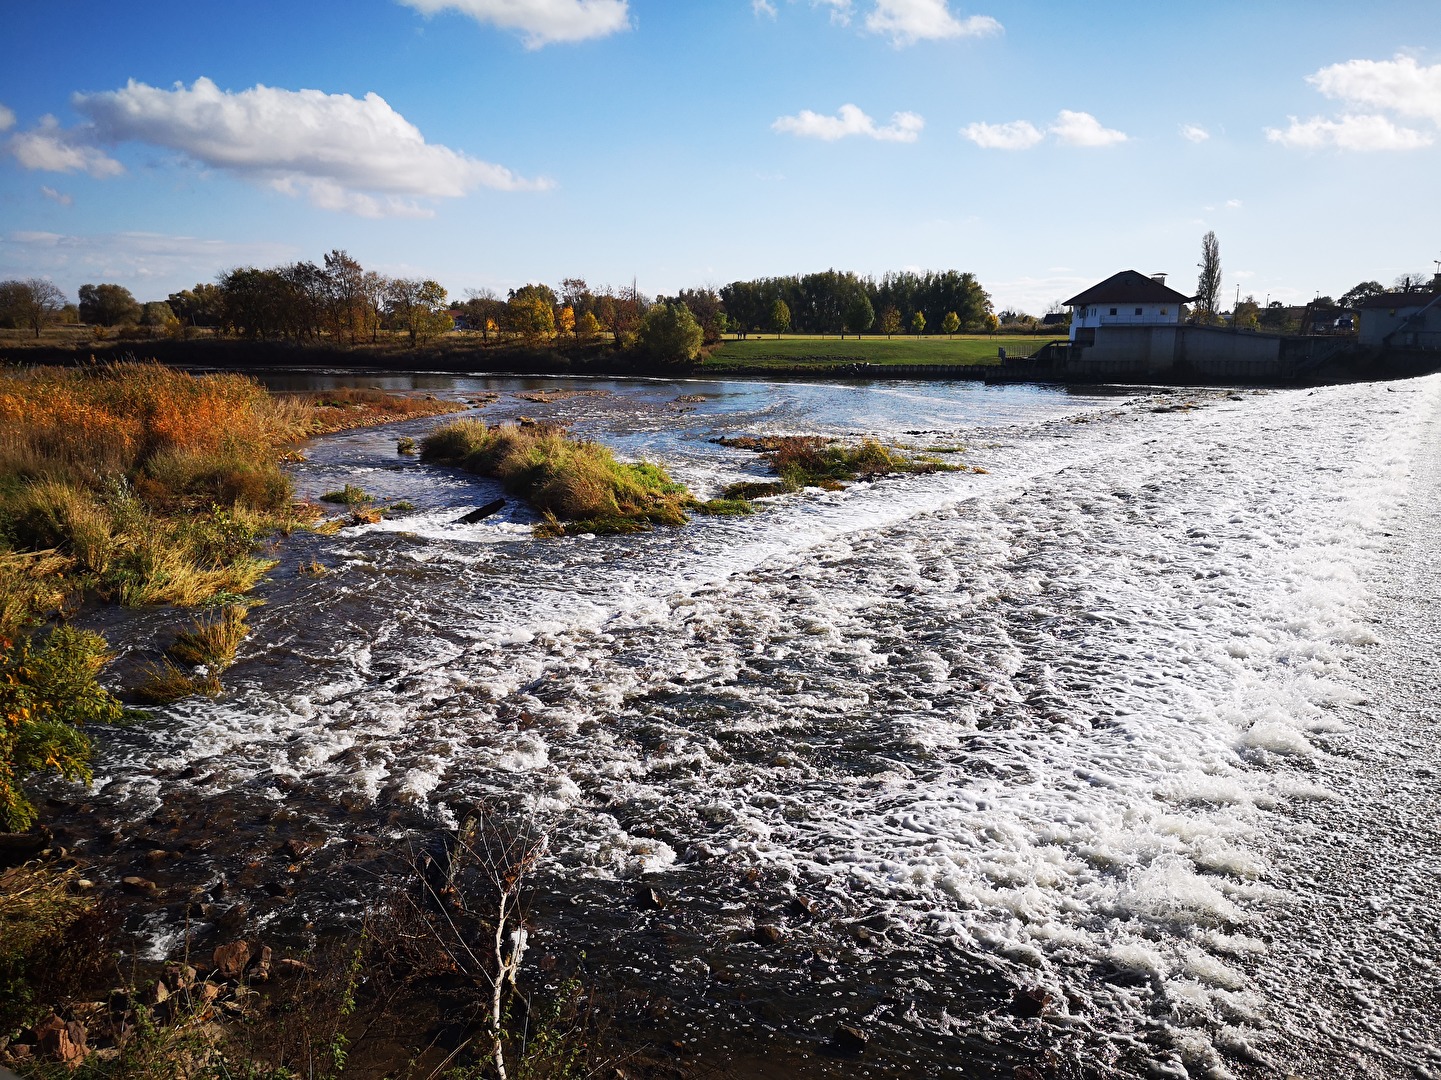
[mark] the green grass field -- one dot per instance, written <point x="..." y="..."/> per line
<point x="792" y="349"/>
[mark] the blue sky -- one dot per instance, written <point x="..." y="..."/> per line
<point x="1041" y="145"/>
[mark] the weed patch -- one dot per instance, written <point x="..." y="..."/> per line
<point x="578" y="485"/>
<point x="802" y="461"/>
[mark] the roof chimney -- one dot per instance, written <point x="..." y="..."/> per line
<point x="1159" y="279"/>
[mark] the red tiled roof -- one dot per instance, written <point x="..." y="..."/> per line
<point x="1128" y="287"/>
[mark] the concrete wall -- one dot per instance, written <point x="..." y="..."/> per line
<point x="1378" y="323"/>
<point x="1159" y="351"/>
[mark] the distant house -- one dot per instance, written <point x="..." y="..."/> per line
<point x="1129" y="298"/>
<point x="1410" y="320"/>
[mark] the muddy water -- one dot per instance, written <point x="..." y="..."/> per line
<point x="1142" y="716"/>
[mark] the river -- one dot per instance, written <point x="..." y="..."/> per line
<point x="1141" y="716"/>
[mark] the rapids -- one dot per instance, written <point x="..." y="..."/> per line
<point x="1142" y="716"/>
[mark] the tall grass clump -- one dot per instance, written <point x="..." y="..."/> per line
<point x="577" y="484"/>
<point x="138" y="483"/>
<point x="156" y="484"/>
<point x="801" y="461"/>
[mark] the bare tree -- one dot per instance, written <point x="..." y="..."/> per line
<point x="1417" y="282"/>
<point x="1208" y="287"/>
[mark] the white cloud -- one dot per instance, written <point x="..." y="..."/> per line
<point x="1350" y="132"/>
<point x="7" y="118"/>
<point x="1401" y="86"/>
<point x="540" y="22"/>
<point x="1233" y="204"/>
<point x="1083" y="129"/>
<point x="48" y="148"/>
<point x="1194" y="133"/>
<point x="840" y="10"/>
<point x="763" y="7"/>
<point x="1017" y="135"/>
<point x="904" y="126"/>
<point x="906" y="22"/>
<point x="57" y="196"/>
<point x="1071" y="128"/>
<point x="346" y="153"/>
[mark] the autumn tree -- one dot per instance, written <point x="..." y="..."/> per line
<point x="485" y="310"/>
<point x="1247" y="314"/>
<point x="705" y="304"/>
<point x="157" y="315"/>
<point x="1208" y="286"/>
<point x="417" y="307"/>
<point x="918" y="323"/>
<point x="621" y="310"/>
<point x="587" y="327"/>
<point x="565" y="320"/>
<point x="530" y="313"/>
<point x="670" y="334"/>
<point x="346" y="306"/>
<point x="32" y="303"/>
<point x="204" y="305"/>
<point x="780" y="317"/>
<point x="108" y="305"/>
<point x="951" y="323"/>
<point x="890" y="320"/>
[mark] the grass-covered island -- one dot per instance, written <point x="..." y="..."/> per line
<point x="580" y="487"/>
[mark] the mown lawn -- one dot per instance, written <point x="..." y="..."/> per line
<point x="793" y="349"/>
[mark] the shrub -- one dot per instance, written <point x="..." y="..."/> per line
<point x="48" y="693"/>
<point x="669" y="334"/>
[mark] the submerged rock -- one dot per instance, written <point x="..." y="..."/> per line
<point x="849" y="1039"/>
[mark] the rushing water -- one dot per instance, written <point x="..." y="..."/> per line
<point x="1143" y="716"/>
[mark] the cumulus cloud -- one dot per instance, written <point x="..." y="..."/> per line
<point x="1083" y="129"/>
<point x="353" y="154"/>
<point x="49" y="148"/>
<point x="7" y="118"/>
<point x="1017" y="135"/>
<point x="1351" y="132"/>
<point x="540" y="22"/>
<point x="1071" y="128"/>
<point x="57" y="196"/>
<point x="904" y="126"/>
<point x="1400" y="86"/>
<point x="906" y="22"/>
<point x="1194" y="133"/>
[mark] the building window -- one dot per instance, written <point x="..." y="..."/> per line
<point x="1138" y="311"/>
<point x="1164" y="311"/>
<point x="1113" y="311"/>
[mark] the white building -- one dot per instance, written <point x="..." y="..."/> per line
<point x="1129" y="298"/>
